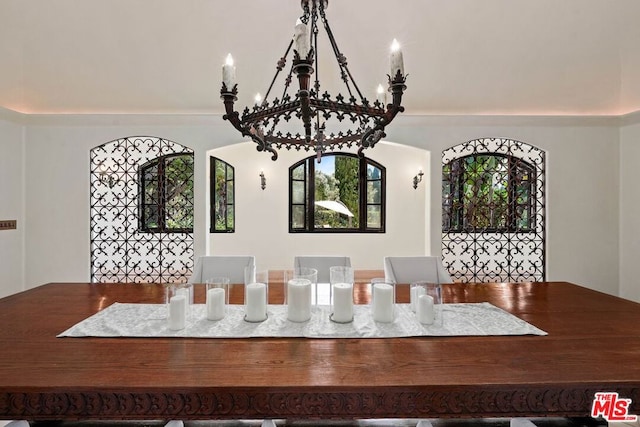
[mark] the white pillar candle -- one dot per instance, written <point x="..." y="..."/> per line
<point x="299" y="300"/>
<point x="301" y="39"/>
<point x="215" y="303"/>
<point x="395" y="59"/>
<point x="425" y="309"/>
<point x="229" y="73"/>
<point x="415" y="293"/>
<point x="177" y="312"/>
<point x="381" y="95"/>
<point x="382" y="302"/>
<point x="255" y="302"/>
<point x="342" y="302"/>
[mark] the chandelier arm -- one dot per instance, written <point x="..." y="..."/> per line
<point x="267" y="113"/>
<point x="287" y="142"/>
<point x="232" y="116"/>
<point x="303" y="69"/>
<point x="360" y="110"/>
<point x="314" y="28"/>
<point x="279" y="67"/>
<point x="272" y="129"/>
<point x="287" y="83"/>
<point x="305" y="11"/>
<point x="374" y="134"/>
<point x="340" y="58"/>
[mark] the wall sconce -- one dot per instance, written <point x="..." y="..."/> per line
<point x="417" y="179"/>
<point x="105" y="177"/>
<point x="263" y="180"/>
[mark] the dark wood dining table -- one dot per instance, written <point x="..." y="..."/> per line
<point x="593" y="345"/>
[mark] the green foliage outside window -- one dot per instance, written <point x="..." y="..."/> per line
<point x="488" y="192"/>
<point x="222" y="196"/>
<point x="167" y="194"/>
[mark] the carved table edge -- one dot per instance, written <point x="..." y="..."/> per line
<point x="309" y="403"/>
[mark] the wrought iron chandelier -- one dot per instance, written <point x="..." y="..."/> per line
<point x="353" y="119"/>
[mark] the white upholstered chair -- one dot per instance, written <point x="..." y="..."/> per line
<point x="408" y="269"/>
<point x="232" y="267"/>
<point x="521" y="422"/>
<point x="321" y="263"/>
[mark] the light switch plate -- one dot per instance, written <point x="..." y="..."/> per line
<point x="8" y="224"/>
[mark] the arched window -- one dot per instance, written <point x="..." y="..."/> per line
<point x="342" y="193"/>
<point x="222" y="196"/>
<point x="166" y="189"/>
<point x="493" y="211"/>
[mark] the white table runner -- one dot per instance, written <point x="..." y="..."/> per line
<point x="149" y="320"/>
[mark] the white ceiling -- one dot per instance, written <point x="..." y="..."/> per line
<point x="463" y="56"/>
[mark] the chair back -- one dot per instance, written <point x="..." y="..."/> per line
<point x="415" y="268"/>
<point x="321" y="263"/>
<point x="232" y="267"/>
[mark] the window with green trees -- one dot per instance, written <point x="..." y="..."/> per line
<point x="222" y="196"/>
<point x="166" y="194"/>
<point x="488" y="192"/>
<point x="341" y="193"/>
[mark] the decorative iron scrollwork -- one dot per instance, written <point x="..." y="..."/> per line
<point x="120" y="251"/>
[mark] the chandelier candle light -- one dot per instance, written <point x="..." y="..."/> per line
<point x="353" y="120"/>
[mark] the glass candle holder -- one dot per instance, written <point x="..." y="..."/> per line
<point x="178" y="300"/>
<point x="298" y="293"/>
<point x="341" y="295"/>
<point x="383" y="300"/>
<point x="426" y="301"/>
<point x="256" y="298"/>
<point x="250" y="274"/>
<point x="217" y="297"/>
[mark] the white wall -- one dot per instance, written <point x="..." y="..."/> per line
<point x="630" y="208"/>
<point x="262" y="215"/>
<point x="582" y="174"/>
<point x="11" y="202"/>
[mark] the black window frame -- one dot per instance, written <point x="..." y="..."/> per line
<point x="161" y="205"/>
<point x="309" y="164"/>
<point x="213" y="196"/>
<point x="454" y="208"/>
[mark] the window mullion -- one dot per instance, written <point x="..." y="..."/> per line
<point x="461" y="208"/>
<point x="310" y="193"/>
<point x="512" y="185"/>
<point x="363" y="183"/>
<point x="162" y="195"/>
